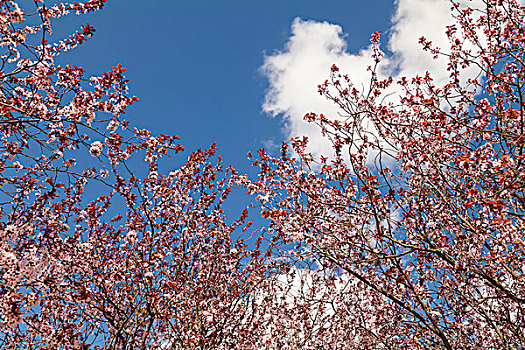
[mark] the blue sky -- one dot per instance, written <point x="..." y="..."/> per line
<point x="243" y="73"/>
<point x="196" y="65"/>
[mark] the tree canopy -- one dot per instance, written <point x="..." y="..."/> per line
<point x="410" y="235"/>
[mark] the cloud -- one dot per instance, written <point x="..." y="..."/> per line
<point x="294" y="72"/>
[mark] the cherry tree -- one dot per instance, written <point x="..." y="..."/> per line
<point x="412" y="233"/>
<point x="410" y="236"/>
<point x="92" y="254"/>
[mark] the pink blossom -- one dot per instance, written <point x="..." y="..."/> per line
<point x="96" y="148"/>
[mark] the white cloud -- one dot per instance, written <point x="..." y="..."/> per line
<point x="413" y="19"/>
<point x="295" y="72"/>
<point x="312" y="48"/>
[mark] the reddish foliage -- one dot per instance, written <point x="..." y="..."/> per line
<point x="411" y="236"/>
<point x="417" y="225"/>
<point x="91" y="255"/>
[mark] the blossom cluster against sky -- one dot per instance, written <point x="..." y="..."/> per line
<point x="314" y="46"/>
<point x="197" y="65"/>
<point x="243" y="73"/>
